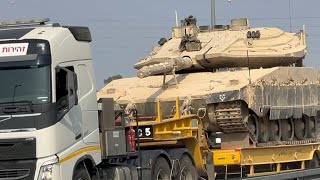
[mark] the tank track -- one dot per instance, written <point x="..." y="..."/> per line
<point x="229" y="118"/>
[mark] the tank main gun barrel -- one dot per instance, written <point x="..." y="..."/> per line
<point x="167" y="66"/>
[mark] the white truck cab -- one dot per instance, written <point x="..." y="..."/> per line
<point x="48" y="107"/>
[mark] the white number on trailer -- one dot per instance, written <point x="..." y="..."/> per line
<point x="145" y="132"/>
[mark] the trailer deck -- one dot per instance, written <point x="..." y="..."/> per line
<point x="239" y="162"/>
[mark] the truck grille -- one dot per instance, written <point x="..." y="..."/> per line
<point x="22" y="148"/>
<point x="18" y="169"/>
<point x="14" y="174"/>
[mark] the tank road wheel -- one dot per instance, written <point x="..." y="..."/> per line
<point x="263" y="136"/>
<point x="187" y="169"/>
<point x="253" y="125"/>
<point x="275" y="130"/>
<point x="300" y="128"/>
<point x="161" y="169"/>
<point x="287" y="129"/>
<point x="311" y="127"/>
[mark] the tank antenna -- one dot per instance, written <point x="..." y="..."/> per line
<point x="249" y="67"/>
<point x="176" y="13"/>
<point x="213" y="13"/>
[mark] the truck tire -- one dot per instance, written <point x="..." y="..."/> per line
<point x="187" y="169"/>
<point x="81" y="173"/>
<point x="161" y="169"/>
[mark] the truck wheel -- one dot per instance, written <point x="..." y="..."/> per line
<point x="313" y="163"/>
<point x="187" y="169"/>
<point x="81" y="174"/>
<point x="161" y="169"/>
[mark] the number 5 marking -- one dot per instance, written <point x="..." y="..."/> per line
<point x="148" y="132"/>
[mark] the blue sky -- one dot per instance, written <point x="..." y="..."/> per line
<point x="125" y="30"/>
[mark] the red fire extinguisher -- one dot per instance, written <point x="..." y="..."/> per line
<point x="132" y="138"/>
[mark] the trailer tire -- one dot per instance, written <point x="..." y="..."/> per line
<point x="81" y="173"/>
<point x="187" y="170"/>
<point x="161" y="169"/>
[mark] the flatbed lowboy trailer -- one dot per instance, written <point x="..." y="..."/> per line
<point x="185" y="133"/>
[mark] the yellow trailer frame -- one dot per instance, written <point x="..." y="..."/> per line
<point x="187" y="130"/>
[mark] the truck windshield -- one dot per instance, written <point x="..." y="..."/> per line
<point x="25" y="84"/>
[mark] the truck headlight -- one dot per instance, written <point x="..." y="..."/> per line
<point x="46" y="169"/>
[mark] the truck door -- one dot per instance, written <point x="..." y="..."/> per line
<point x="88" y="102"/>
<point x="69" y="110"/>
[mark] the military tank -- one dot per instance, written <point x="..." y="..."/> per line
<point x="238" y="79"/>
<point x="225" y="46"/>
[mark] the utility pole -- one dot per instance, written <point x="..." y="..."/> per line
<point x="213" y="13"/>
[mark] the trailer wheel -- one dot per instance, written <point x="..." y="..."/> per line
<point x="161" y="169"/>
<point x="313" y="163"/>
<point x="187" y="169"/>
<point x="80" y="173"/>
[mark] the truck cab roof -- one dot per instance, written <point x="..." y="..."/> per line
<point x="67" y="43"/>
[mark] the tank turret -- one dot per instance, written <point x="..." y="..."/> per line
<point x="224" y="46"/>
